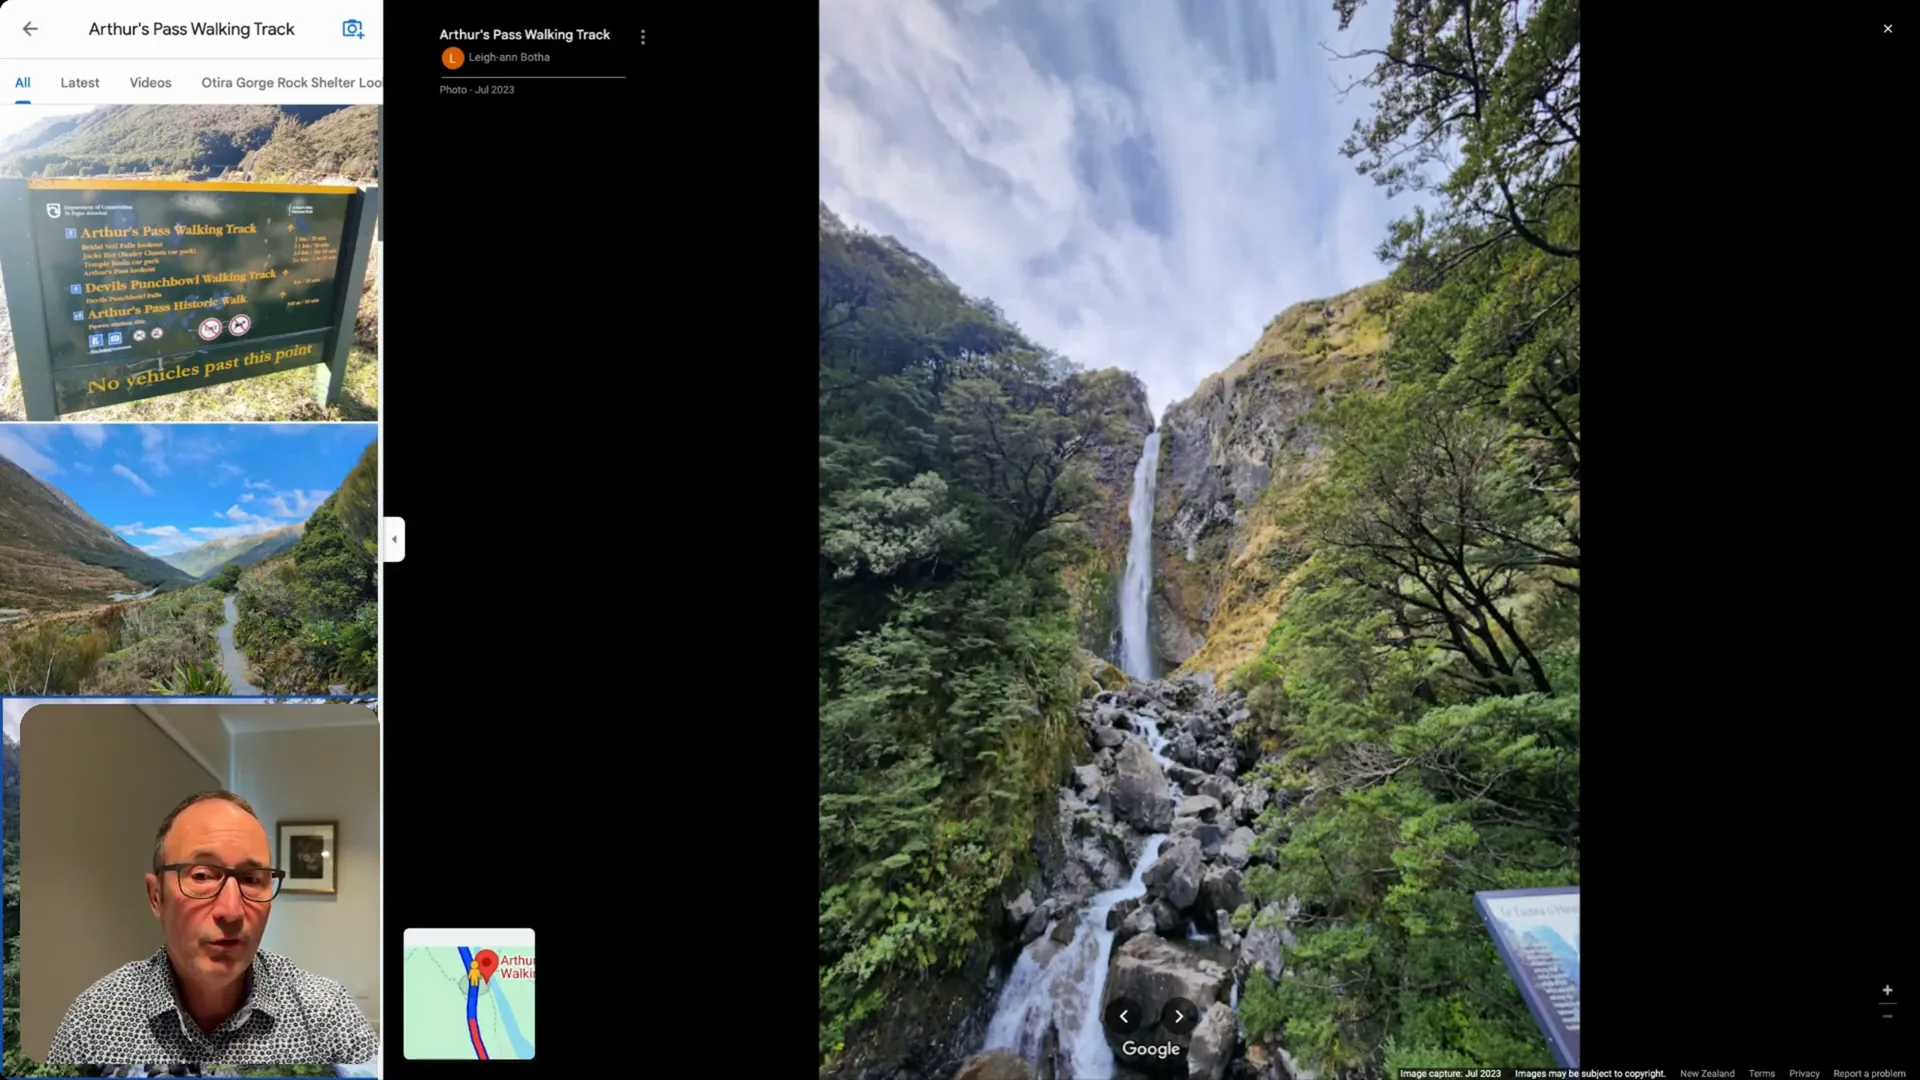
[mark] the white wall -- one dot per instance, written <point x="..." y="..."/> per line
<point x="198" y="726"/>
<point x="322" y="774"/>
<point x="95" y="783"/>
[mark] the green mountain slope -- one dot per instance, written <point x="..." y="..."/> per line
<point x="54" y="556"/>
<point x="207" y="560"/>
<point x="196" y="140"/>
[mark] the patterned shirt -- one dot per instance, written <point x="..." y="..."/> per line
<point x="132" y="1017"/>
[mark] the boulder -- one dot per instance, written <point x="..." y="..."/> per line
<point x="1200" y="726"/>
<point x="1104" y="738"/>
<point x="1190" y="779"/>
<point x="1211" y="837"/>
<point x="1109" y="677"/>
<point x="1021" y="908"/>
<point x="1186" y="826"/>
<point x="994" y="1065"/>
<point x="1235" y="850"/>
<point x="1220" y="888"/>
<point x="1108" y="716"/>
<point x="1139" y="793"/>
<point x="1118" y="913"/>
<point x="1182" y="750"/>
<point x="1036" y="925"/>
<point x="1229" y="937"/>
<point x="1260" y="946"/>
<point x="1138" y="921"/>
<point x="1251" y="803"/>
<point x="1087" y="780"/>
<point x="1212" y="1043"/>
<point x="1063" y="930"/>
<point x="1151" y="969"/>
<point x="1204" y="807"/>
<point x="1208" y="758"/>
<point x="1175" y="874"/>
<point x="1168" y="921"/>
<point x="1220" y="789"/>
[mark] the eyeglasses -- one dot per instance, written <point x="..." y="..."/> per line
<point x="202" y="881"/>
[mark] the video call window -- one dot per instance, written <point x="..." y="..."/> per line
<point x="199" y="885"/>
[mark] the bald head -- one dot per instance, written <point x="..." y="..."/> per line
<point x="222" y="810"/>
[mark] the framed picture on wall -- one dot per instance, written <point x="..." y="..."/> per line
<point x="307" y="855"/>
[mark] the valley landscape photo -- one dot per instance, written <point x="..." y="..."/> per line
<point x="230" y="144"/>
<point x="1199" y="533"/>
<point x="189" y="559"/>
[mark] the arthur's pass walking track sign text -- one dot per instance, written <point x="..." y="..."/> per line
<point x="130" y="290"/>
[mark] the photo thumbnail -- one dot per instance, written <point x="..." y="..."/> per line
<point x="189" y="559"/>
<point x="189" y="262"/>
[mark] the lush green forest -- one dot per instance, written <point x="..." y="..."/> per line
<point x="952" y="463"/>
<point x="309" y="619"/>
<point x="1424" y="678"/>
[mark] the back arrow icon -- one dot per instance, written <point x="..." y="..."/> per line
<point x="1124" y="1018"/>
<point x="29" y="28"/>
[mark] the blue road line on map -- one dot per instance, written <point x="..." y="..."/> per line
<point x="473" y="999"/>
<point x="473" y="992"/>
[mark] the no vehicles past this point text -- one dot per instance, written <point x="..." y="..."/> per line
<point x="209" y="329"/>
<point x="453" y="58"/>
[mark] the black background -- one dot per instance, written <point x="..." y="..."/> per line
<point x="604" y="609"/>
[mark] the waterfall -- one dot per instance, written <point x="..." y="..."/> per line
<point x="1136" y="648"/>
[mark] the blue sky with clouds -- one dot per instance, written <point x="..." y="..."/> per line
<point x="1137" y="183"/>
<point x="170" y="487"/>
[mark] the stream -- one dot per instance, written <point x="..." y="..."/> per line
<point x="1062" y="986"/>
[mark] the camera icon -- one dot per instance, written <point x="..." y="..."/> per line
<point x="353" y="29"/>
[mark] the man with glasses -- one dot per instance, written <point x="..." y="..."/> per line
<point x="211" y="995"/>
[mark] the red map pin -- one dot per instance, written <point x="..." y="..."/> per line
<point x="488" y="960"/>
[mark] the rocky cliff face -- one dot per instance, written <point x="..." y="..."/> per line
<point x="1095" y="581"/>
<point x="1231" y="457"/>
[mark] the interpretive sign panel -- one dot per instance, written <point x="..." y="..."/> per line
<point x="1538" y="934"/>
<point x="154" y="287"/>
